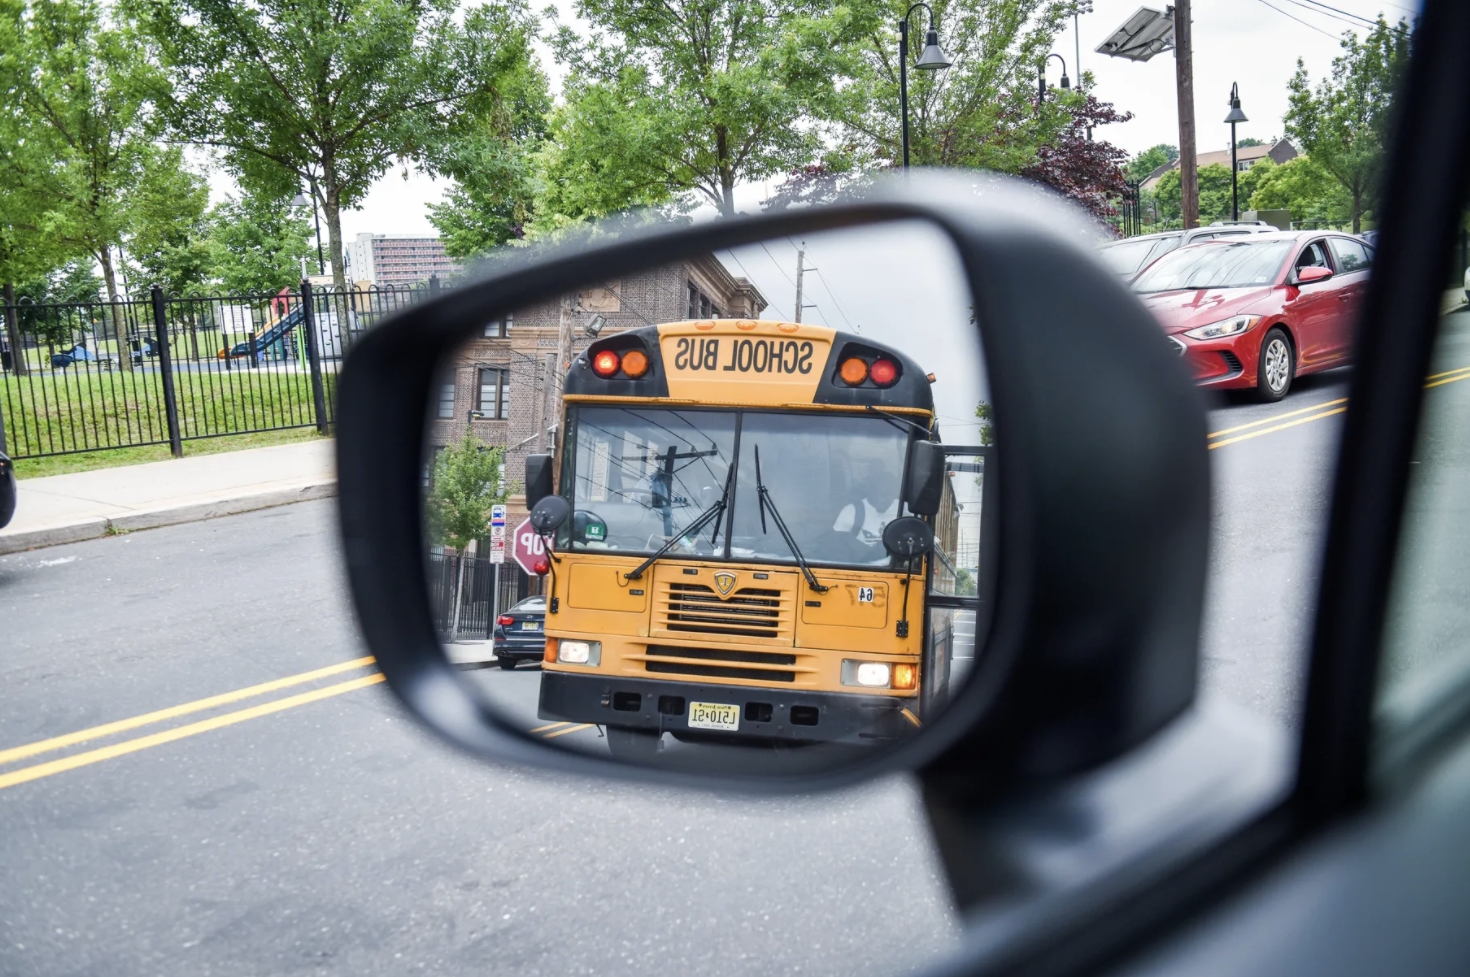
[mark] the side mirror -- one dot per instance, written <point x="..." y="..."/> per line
<point x="548" y="515"/>
<point x="538" y="479"/>
<point x="908" y="537"/>
<point x="1315" y="273"/>
<point x="924" y="483"/>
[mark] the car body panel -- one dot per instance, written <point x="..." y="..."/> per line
<point x="525" y="638"/>
<point x="1316" y="316"/>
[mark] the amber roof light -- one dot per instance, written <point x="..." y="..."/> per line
<point x="854" y="371"/>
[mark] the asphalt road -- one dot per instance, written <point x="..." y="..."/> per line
<point x="309" y="826"/>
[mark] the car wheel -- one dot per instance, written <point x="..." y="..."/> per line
<point x="632" y="744"/>
<point x="1275" y="367"/>
<point x="506" y="663"/>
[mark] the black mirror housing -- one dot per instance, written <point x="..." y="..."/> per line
<point x="539" y="483"/>
<point x="908" y="538"/>
<point x="924" y="481"/>
<point x="550" y="514"/>
<point x="1090" y="644"/>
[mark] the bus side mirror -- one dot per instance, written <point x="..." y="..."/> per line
<point x="924" y="483"/>
<point x="548" y="514"/>
<point x="538" y="479"/>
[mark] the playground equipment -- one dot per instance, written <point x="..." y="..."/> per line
<point x="274" y="332"/>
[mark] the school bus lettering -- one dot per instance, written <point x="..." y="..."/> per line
<point x="769" y="356"/>
<point x="693" y="353"/>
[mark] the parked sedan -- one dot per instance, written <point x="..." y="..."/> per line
<point x="1131" y="255"/>
<point x="520" y="633"/>
<point x="1257" y="313"/>
<point x="7" y="489"/>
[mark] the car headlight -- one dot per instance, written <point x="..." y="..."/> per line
<point x="578" y="652"/>
<point x="1225" y="328"/>
<point x="873" y="675"/>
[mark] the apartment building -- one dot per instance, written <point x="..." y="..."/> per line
<point x="397" y="259"/>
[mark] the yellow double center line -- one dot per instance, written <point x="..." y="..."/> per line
<point x="39" y="770"/>
<point x="1280" y="422"/>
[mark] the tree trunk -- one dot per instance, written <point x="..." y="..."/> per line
<point x="1357" y="212"/>
<point x="727" y="179"/>
<point x="331" y="196"/>
<point x="458" y="592"/>
<point x="12" y="330"/>
<point x="119" y="331"/>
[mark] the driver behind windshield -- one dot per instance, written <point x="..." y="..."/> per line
<point x="874" y="503"/>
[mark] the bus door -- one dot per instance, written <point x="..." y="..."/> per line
<point x="958" y="573"/>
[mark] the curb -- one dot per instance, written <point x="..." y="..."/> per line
<point x="96" y="527"/>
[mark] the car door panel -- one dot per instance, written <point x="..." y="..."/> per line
<point x="1312" y="308"/>
<point x="1351" y="260"/>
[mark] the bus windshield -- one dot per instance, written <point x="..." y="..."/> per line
<point x="645" y="474"/>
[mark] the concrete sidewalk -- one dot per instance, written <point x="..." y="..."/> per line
<point x="85" y="505"/>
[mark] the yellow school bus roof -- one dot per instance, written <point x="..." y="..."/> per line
<point x="749" y="362"/>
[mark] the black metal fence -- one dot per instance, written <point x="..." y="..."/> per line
<point x="478" y="603"/>
<point x="157" y="369"/>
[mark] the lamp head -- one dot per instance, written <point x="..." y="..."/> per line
<point x="932" y="58"/>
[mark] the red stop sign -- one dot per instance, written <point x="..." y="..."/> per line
<point x="527" y="548"/>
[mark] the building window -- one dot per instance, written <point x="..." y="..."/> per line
<point x="495" y="393"/>
<point x="446" y="400"/>
<point x="499" y="328"/>
<point x="701" y="306"/>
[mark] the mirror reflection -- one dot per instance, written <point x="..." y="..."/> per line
<point x="732" y="510"/>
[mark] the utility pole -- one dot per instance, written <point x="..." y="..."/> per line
<point x="1184" y="78"/>
<point x="547" y="380"/>
<point x="800" y="270"/>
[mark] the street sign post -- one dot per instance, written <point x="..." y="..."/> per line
<point x="527" y="547"/>
<point x="497" y="558"/>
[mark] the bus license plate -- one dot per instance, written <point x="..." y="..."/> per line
<point x="714" y="715"/>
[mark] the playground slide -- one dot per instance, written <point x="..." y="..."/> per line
<point x="272" y="333"/>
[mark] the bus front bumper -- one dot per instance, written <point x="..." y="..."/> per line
<point x="764" y="713"/>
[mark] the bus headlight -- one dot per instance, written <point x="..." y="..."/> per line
<point x="873" y="675"/>
<point x="578" y="652"/>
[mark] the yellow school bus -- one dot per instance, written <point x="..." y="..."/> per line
<point x="720" y="566"/>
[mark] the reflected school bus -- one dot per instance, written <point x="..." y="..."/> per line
<point x="718" y="513"/>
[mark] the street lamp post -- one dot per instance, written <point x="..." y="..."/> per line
<point x="300" y="201"/>
<point x="932" y="58"/>
<point x="1041" y="75"/>
<point x="1236" y="115"/>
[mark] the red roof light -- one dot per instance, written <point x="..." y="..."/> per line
<point x="606" y="363"/>
<point x="884" y="372"/>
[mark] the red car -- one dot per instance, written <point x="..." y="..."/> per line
<point x="1259" y="311"/>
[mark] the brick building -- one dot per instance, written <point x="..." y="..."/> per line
<point x="397" y="259"/>
<point x="495" y="384"/>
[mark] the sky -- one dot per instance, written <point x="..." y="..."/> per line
<point x="1254" y="43"/>
<point x="901" y="285"/>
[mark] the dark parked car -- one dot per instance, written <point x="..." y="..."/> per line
<point x="520" y="633"/>
<point x="7" y="489"/>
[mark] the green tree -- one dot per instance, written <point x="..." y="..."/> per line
<point x="464" y="482"/>
<point x="169" y="244"/>
<point x="78" y="89"/>
<point x="665" y="99"/>
<point x="256" y="244"/>
<point x="1214" y="191"/>
<point x="494" y="167"/>
<point x="1140" y="166"/>
<point x="74" y="283"/>
<point x="982" y="112"/>
<point x="1302" y="188"/>
<point x="1343" y="123"/>
<point x="1247" y="141"/>
<point x="331" y="93"/>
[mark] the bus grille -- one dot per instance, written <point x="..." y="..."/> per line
<point x="717" y="666"/>
<point x="751" y="612"/>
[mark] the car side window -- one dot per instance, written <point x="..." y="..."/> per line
<point x="1424" y="675"/>
<point x="1313" y="256"/>
<point x="1349" y="255"/>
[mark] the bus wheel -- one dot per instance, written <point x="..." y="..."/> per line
<point x="632" y="744"/>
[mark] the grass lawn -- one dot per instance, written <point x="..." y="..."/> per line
<point x="87" y="461"/>
<point x="85" y="408"/>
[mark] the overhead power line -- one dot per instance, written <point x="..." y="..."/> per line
<point x="1314" y="27"/>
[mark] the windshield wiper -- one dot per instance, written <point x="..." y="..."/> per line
<point x="764" y="496"/>
<point x="896" y="419"/>
<point x="712" y="514"/>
